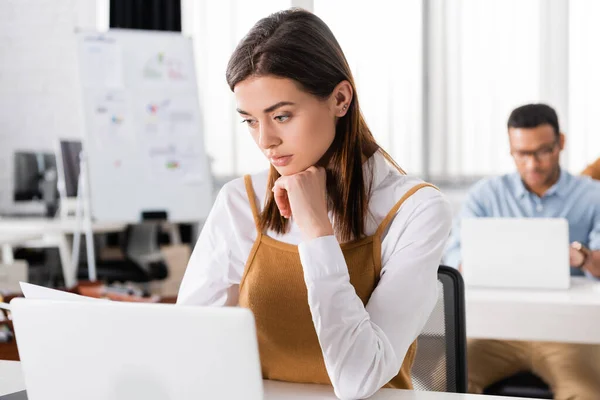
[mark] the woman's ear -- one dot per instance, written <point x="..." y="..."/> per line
<point x="341" y="97"/>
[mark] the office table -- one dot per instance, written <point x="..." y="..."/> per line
<point x="56" y="232"/>
<point x="11" y="381"/>
<point x="11" y="377"/>
<point x="7" y="241"/>
<point x="569" y="316"/>
<point x="47" y="232"/>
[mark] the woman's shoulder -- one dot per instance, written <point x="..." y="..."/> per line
<point x="414" y="190"/>
<point x="232" y="210"/>
<point x="417" y="196"/>
<point x="234" y="193"/>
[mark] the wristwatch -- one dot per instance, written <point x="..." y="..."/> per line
<point x="583" y="250"/>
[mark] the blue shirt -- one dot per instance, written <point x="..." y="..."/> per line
<point x="575" y="198"/>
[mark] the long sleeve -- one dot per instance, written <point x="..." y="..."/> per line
<point x="594" y="237"/>
<point x="472" y="208"/>
<point x="217" y="262"/>
<point x="364" y="347"/>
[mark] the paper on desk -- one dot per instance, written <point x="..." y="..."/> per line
<point x="43" y="293"/>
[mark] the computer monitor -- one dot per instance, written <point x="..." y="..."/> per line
<point x="31" y="171"/>
<point x="34" y="191"/>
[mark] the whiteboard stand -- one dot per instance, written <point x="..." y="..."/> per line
<point x="67" y="207"/>
<point x="83" y="217"/>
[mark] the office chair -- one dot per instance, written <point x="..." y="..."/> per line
<point x="129" y="269"/>
<point x="440" y="364"/>
<point x="441" y="360"/>
<point x="523" y="384"/>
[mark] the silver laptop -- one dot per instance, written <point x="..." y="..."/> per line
<point x="516" y="252"/>
<point x="73" y="350"/>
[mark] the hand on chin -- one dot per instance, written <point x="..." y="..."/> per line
<point x="303" y="196"/>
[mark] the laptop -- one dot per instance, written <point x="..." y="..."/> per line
<point x="72" y="350"/>
<point x="529" y="253"/>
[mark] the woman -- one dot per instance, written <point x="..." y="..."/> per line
<point x="339" y="264"/>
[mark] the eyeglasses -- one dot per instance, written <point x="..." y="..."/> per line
<point x="542" y="154"/>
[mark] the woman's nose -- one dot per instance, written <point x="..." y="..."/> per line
<point x="267" y="137"/>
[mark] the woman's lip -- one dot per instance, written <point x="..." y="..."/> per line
<point x="281" y="161"/>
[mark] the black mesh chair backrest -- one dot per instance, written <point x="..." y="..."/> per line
<point x="440" y="364"/>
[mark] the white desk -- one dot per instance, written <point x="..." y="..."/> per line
<point x="11" y="380"/>
<point x="569" y="316"/>
<point x="11" y="377"/>
<point x="46" y="232"/>
<point x="56" y="232"/>
<point x="7" y="241"/>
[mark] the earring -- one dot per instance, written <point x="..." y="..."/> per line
<point x="345" y="106"/>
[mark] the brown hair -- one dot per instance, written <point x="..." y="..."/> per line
<point x="298" y="45"/>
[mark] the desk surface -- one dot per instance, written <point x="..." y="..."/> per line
<point x="12" y="239"/>
<point x="569" y="316"/>
<point x="11" y="381"/>
<point x="583" y="291"/>
<point x="51" y="225"/>
<point x="293" y="391"/>
<point x="11" y="378"/>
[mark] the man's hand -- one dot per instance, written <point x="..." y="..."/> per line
<point x="577" y="255"/>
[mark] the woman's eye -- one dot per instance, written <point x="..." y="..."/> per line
<point x="249" y="122"/>
<point x="282" y="118"/>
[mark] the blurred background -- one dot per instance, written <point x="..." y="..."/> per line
<point x="436" y="79"/>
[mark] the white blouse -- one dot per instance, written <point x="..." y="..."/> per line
<point x="363" y="347"/>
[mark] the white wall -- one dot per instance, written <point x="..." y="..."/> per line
<point x="39" y="90"/>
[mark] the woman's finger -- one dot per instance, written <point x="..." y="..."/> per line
<point x="282" y="201"/>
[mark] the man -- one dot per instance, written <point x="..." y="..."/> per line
<point x="593" y="170"/>
<point x="540" y="189"/>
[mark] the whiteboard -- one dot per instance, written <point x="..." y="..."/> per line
<point x="142" y="126"/>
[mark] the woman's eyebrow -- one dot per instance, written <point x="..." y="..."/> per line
<point x="270" y="108"/>
<point x="277" y="105"/>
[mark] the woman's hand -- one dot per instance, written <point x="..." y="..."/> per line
<point x="304" y="196"/>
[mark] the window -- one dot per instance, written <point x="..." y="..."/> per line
<point x="488" y="63"/>
<point x="382" y="42"/>
<point x="161" y="15"/>
<point x="583" y="135"/>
